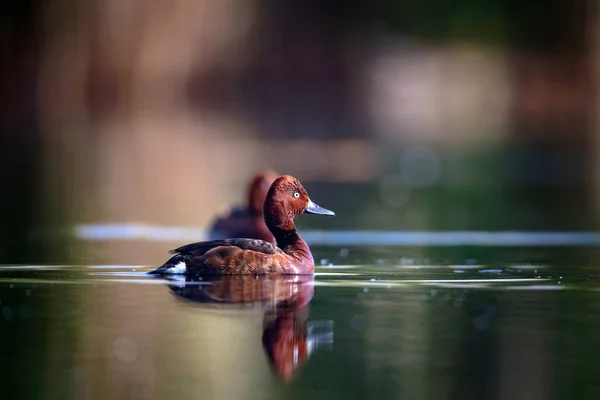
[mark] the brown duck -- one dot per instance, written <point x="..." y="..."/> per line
<point x="285" y="200"/>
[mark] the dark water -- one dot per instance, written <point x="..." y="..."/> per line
<point x="406" y="323"/>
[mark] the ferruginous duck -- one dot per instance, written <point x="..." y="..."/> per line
<point x="286" y="199"/>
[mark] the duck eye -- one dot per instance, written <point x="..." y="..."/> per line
<point x="296" y="195"/>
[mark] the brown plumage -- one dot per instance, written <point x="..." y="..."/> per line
<point x="285" y="200"/>
<point x="247" y="221"/>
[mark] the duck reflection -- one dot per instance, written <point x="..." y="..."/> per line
<point x="288" y="337"/>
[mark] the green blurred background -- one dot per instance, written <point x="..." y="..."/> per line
<point x="402" y="115"/>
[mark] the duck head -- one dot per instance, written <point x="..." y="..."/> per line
<point x="287" y="199"/>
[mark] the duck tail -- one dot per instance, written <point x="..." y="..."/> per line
<point x="175" y="265"/>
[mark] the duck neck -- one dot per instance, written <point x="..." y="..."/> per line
<point x="289" y="240"/>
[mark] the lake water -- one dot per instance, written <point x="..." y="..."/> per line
<point x="498" y="321"/>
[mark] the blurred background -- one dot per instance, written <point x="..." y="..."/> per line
<point x="399" y="115"/>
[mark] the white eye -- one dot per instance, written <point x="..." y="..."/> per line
<point x="296" y="195"/>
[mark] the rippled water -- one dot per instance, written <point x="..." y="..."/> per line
<point x="372" y="323"/>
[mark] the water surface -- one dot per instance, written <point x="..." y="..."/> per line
<point x="373" y="323"/>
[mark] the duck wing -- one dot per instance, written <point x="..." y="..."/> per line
<point x="200" y="248"/>
<point x="229" y="256"/>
